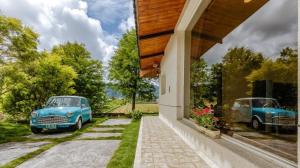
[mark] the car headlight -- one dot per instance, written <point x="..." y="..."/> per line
<point x="34" y="114"/>
<point x="69" y="114"/>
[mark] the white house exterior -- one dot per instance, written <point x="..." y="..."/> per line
<point x="174" y="101"/>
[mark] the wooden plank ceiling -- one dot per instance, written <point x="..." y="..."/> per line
<point x="156" y="20"/>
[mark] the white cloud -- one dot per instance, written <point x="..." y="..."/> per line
<point x="128" y="24"/>
<point x="59" y="21"/>
<point x="268" y="31"/>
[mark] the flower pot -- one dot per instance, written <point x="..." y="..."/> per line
<point x="215" y="134"/>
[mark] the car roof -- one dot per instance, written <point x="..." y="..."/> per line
<point x="71" y="96"/>
<point x="252" y="98"/>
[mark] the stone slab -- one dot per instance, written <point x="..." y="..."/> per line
<point x="111" y="122"/>
<point x="75" y="154"/>
<point x="51" y="136"/>
<point x="13" y="150"/>
<point x="107" y="129"/>
<point x="98" y="135"/>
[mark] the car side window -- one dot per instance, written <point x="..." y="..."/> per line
<point x="87" y="103"/>
<point x="83" y="103"/>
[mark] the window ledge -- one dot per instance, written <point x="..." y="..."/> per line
<point x="254" y="154"/>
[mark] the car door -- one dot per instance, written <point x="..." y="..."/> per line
<point x="241" y="111"/>
<point x="84" y="109"/>
<point x="89" y="110"/>
<point x="245" y="111"/>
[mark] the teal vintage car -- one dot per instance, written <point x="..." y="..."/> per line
<point x="259" y="111"/>
<point x="61" y="112"/>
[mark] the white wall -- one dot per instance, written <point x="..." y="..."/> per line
<point x="169" y="104"/>
<point x="175" y="66"/>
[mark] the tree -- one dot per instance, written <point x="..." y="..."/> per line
<point x="17" y="42"/>
<point x="283" y="70"/>
<point x="199" y="78"/>
<point x="46" y="77"/>
<point x="238" y="63"/>
<point x="18" y="47"/>
<point x="89" y="82"/>
<point x="124" y="70"/>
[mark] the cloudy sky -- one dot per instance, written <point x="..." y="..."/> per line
<point x="271" y="28"/>
<point x="98" y="24"/>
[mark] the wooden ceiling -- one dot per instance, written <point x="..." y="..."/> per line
<point x="156" y="21"/>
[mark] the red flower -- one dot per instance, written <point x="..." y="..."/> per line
<point x="201" y="112"/>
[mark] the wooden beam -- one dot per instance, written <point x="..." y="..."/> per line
<point x="152" y="55"/>
<point x="207" y="37"/>
<point x="168" y="32"/>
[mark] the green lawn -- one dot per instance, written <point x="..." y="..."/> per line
<point x="125" y="154"/>
<point x="145" y="108"/>
<point x="13" y="131"/>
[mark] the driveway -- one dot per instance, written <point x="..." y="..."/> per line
<point x="92" y="148"/>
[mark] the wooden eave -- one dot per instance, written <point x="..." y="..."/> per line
<point x="156" y="21"/>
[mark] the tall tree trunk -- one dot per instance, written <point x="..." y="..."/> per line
<point x="134" y="95"/>
<point x="133" y="100"/>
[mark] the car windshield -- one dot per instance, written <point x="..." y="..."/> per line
<point x="63" y="102"/>
<point x="265" y="103"/>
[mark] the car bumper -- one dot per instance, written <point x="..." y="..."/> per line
<point x="52" y="125"/>
<point x="278" y="124"/>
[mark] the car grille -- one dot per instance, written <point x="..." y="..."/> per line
<point x="284" y="120"/>
<point x="52" y="120"/>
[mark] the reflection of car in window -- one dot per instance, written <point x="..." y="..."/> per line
<point x="61" y="112"/>
<point x="262" y="111"/>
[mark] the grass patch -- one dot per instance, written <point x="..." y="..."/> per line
<point x="13" y="132"/>
<point x="145" y="108"/>
<point x="53" y="142"/>
<point x="125" y="154"/>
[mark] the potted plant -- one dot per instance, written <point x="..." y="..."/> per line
<point x="206" y="122"/>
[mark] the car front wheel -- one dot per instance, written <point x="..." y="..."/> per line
<point x="36" y="130"/>
<point x="256" y="124"/>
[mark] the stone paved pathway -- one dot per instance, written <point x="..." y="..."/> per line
<point x="80" y="152"/>
<point x="160" y="146"/>
<point x="75" y="154"/>
<point x="14" y="150"/>
<point x="112" y="122"/>
<point x="94" y="135"/>
<point x="51" y="136"/>
<point x="107" y="129"/>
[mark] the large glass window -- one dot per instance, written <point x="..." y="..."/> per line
<point x="244" y="71"/>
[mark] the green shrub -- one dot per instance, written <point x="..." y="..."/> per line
<point x="136" y="115"/>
